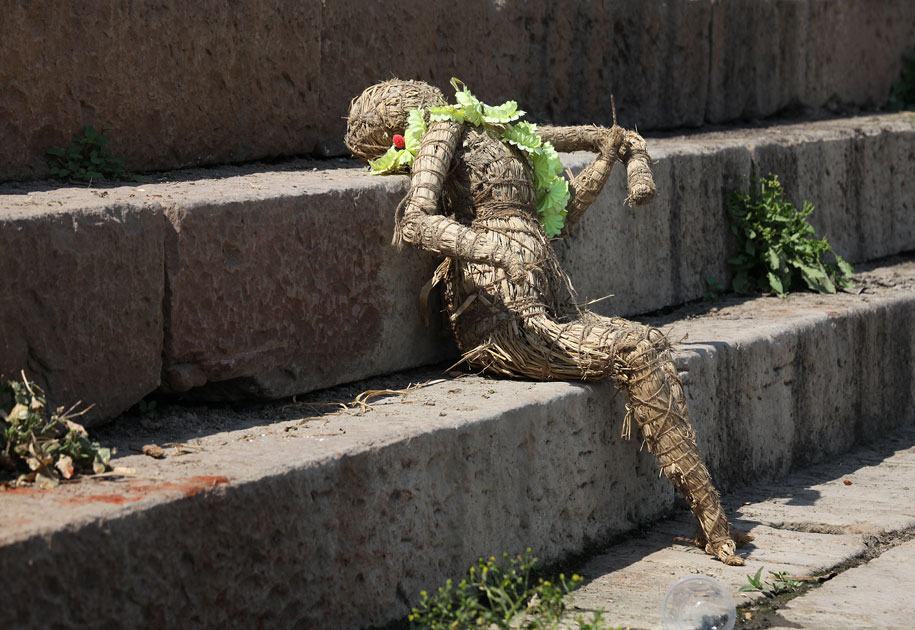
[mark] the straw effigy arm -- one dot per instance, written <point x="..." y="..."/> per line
<point x="421" y="224"/>
<point x="639" y="180"/>
<point x="612" y="145"/>
<point x="586" y="186"/>
<point x="577" y="138"/>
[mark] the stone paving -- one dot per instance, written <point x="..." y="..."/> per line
<point x="875" y="595"/>
<point x="844" y="512"/>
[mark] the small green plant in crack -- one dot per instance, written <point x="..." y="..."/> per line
<point x="777" y="247"/>
<point x="494" y="596"/>
<point x="147" y="408"/>
<point x="87" y="160"/>
<point x="37" y="447"/>
<point x="902" y="94"/>
<point x="779" y="584"/>
<point x="713" y="288"/>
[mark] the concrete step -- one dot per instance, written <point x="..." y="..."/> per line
<point x="184" y="84"/>
<point x="273" y="281"/>
<point x="281" y="515"/>
<point x="843" y="511"/>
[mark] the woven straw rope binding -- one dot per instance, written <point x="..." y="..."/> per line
<point x="511" y="306"/>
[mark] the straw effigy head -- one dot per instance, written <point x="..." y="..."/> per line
<point x="381" y="111"/>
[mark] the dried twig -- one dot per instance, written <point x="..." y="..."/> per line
<point x="363" y="400"/>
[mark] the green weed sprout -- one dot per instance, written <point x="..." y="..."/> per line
<point x="87" y="160"/>
<point x="779" y="584"/>
<point x="42" y="448"/>
<point x="494" y="596"/>
<point x="777" y="248"/>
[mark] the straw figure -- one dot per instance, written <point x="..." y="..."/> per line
<point x="486" y="193"/>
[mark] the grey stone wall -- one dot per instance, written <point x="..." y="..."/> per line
<point x="194" y="83"/>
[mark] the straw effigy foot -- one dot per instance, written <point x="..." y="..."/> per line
<point x="724" y="549"/>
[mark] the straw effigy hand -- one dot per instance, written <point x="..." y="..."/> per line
<point x="613" y="144"/>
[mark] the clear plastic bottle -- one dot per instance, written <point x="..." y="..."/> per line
<point x="698" y="602"/>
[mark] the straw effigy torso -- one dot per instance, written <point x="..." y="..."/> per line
<point x="490" y="189"/>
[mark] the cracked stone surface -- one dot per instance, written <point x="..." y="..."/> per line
<point x="874" y="596"/>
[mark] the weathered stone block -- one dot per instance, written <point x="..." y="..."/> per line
<point x="873" y="595"/>
<point x="858" y="175"/>
<point x="855" y="50"/>
<point x="280" y="292"/>
<point x="283" y="281"/>
<point x="83" y="293"/>
<point x="785" y="373"/>
<point x="662" y="253"/>
<point x="769" y="57"/>
<point x="758" y="59"/>
<point x="177" y="83"/>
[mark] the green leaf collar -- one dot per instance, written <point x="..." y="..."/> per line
<point x="552" y="189"/>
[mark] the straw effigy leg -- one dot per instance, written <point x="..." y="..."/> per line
<point x="594" y="348"/>
<point x="658" y="404"/>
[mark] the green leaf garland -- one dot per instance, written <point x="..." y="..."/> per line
<point x="524" y="136"/>
<point x="552" y="189"/>
<point x="416" y="129"/>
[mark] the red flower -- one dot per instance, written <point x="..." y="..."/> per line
<point x="399" y="141"/>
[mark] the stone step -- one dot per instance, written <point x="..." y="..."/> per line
<point x="284" y="516"/>
<point x="278" y="280"/>
<point x="184" y="84"/>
